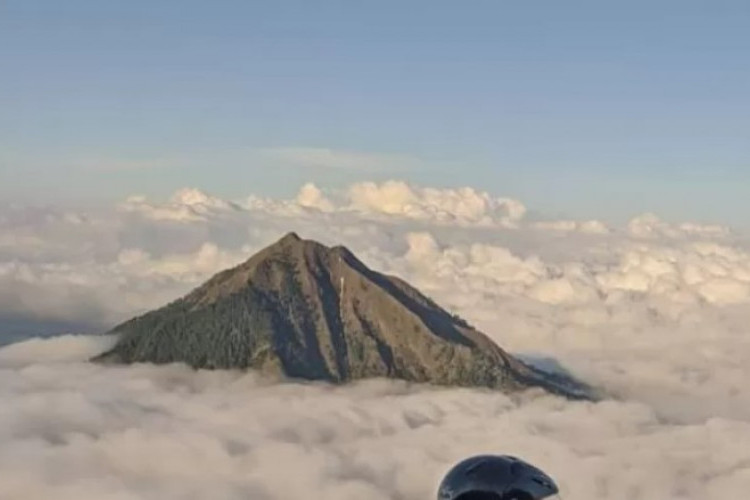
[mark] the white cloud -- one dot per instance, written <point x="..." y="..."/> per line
<point x="656" y="312"/>
<point x="75" y="430"/>
<point x="649" y="225"/>
<point x="460" y="206"/>
<point x="311" y="197"/>
<point x="396" y="199"/>
<point x="107" y="265"/>
<point x="195" y="198"/>
<point x="185" y="205"/>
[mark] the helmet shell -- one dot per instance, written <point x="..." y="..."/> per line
<point x="503" y="477"/>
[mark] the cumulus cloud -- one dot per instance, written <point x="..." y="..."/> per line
<point x="186" y="205"/>
<point x="395" y="199"/>
<point x="461" y="206"/>
<point x="106" y="265"/>
<point x="649" y="225"/>
<point x="655" y="312"/>
<point x="689" y="274"/>
<point x="312" y="197"/>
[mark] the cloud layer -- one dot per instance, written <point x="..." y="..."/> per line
<point x="654" y="311"/>
<point x="72" y="430"/>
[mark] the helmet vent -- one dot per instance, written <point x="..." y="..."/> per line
<point x="474" y="468"/>
<point x="543" y="482"/>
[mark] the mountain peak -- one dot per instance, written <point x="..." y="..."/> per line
<point x="290" y="241"/>
<point x="301" y="309"/>
<point x="298" y="248"/>
<point x="290" y="238"/>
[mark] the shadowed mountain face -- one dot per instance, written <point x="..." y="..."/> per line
<point x="304" y="310"/>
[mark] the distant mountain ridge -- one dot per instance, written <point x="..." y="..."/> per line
<point x="301" y="309"/>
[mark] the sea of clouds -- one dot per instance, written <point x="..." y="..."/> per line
<point x="655" y="312"/>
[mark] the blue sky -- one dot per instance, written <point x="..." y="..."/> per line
<point x="582" y="108"/>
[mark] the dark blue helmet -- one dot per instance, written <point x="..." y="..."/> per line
<point x="496" y="477"/>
